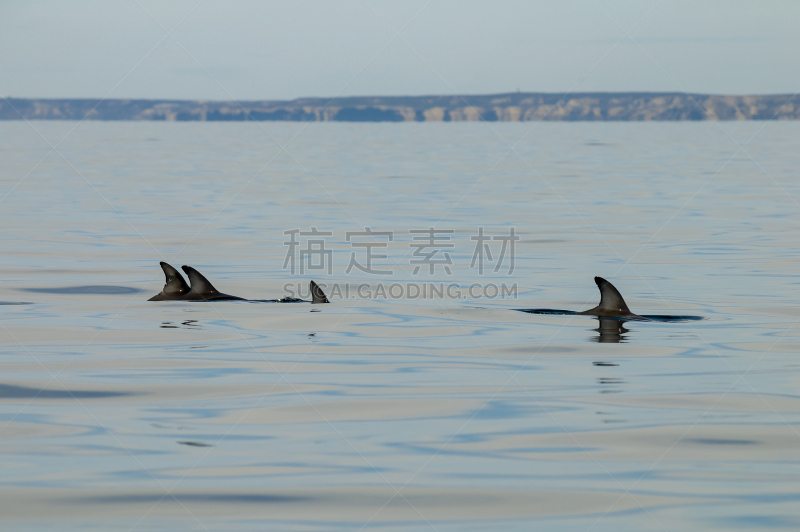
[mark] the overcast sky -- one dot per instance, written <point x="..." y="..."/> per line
<point x="247" y="50"/>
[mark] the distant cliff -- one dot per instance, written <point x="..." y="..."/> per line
<point x="512" y="107"/>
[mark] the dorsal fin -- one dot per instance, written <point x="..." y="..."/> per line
<point x="175" y="283"/>
<point x="175" y="287"/>
<point x="317" y="295"/>
<point x="610" y="298"/>
<point x="200" y="285"/>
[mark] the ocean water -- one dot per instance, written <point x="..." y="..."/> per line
<point x="383" y="411"/>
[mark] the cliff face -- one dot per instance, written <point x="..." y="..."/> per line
<point x="512" y="107"/>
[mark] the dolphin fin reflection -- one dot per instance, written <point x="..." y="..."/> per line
<point x="612" y="330"/>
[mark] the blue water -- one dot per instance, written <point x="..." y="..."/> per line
<point x="376" y="412"/>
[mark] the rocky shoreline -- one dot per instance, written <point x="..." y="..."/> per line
<point x="511" y="107"/>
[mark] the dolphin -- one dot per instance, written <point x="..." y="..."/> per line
<point x="317" y="296"/>
<point x="175" y="289"/>
<point x="611" y="303"/>
<point x="612" y="308"/>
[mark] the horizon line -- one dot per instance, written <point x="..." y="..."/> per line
<point x="429" y="95"/>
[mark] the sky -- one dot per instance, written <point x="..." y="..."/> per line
<point x="280" y="50"/>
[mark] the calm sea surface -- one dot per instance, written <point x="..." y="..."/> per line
<point x="382" y="411"/>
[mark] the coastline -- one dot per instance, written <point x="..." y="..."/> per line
<point x="509" y="107"/>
